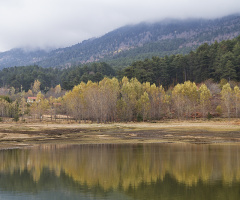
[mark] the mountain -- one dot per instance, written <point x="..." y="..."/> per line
<point x="21" y="57"/>
<point x="133" y="42"/>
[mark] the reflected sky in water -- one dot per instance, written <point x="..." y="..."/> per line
<point x="146" y="171"/>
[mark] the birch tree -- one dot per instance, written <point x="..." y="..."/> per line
<point x="190" y="93"/>
<point x="93" y="101"/>
<point x="178" y="99"/>
<point x="226" y="96"/>
<point x="144" y="106"/>
<point x="36" y="87"/>
<point x="157" y="100"/>
<point x="236" y="100"/>
<point x="23" y="106"/>
<point x="204" y="95"/>
<point x="131" y="91"/>
<point x="109" y="92"/>
<point x="75" y="101"/>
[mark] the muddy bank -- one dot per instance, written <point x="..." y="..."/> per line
<point x="13" y="135"/>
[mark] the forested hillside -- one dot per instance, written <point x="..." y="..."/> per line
<point x="22" y="78"/>
<point x="217" y="61"/>
<point x="121" y="47"/>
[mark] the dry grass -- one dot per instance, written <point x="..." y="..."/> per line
<point x="28" y="134"/>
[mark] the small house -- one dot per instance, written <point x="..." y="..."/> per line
<point x="31" y="99"/>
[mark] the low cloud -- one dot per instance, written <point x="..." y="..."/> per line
<point x="60" y="23"/>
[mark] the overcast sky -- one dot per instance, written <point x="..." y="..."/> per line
<point x="61" y="23"/>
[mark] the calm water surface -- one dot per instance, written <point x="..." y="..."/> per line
<point x="156" y="171"/>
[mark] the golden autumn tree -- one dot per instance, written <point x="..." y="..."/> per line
<point x="75" y="101"/>
<point x="204" y="95"/>
<point x="226" y="96"/>
<point x="58" y="89"/>
<point x="4" y="108"/>
<point x="94" y="103"/>
<point x="109" y="92"/>
<point x="144" y="106"/>
<point x="190" y="93"/>
<point x="185" y="98"/>
<point x="178" y="99"/>
<point x="131" y="91"/>
<point x="157" y="100"/>
<point x="23" y="106"/>
<point x="36" y="87"/>
<point x="236" y="99"/>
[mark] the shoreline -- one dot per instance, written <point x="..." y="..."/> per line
<point x="21" y="135"/>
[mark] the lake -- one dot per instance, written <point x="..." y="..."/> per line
<point x="140" y="171"/>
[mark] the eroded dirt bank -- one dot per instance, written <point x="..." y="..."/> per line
<point x="16" y="135"/>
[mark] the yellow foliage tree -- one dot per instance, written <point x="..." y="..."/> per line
<point x="205" y="96"/>
<point x="75" y="101"/>
<point x="109" y="92"/>
<point x="157" y="100"/>
<point x="178" y="99"/>
<point x="36" y="87"/>
<point x="190" y="93"/>
<point x="131" y="91"/>
<point x="226" y="96"/>
<point x="144" y="106"/>
<point x="236" y="100"/>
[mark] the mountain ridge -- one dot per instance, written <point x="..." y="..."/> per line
<point x="131" y="42"/>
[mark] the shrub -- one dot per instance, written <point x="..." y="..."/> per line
<point x="219" y="110"/>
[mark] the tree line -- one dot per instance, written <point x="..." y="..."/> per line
<point x="110" y="100"/>
<point x="22" y="78"/>
<point x="129" y="100"/>
<point x="217" y="61"/>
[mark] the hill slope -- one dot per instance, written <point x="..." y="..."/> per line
<point x="129" y="43"/>
<point x="216" y="62"/>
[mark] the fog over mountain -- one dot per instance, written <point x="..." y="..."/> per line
<point x="48" y="24"/>
<point x="122" y="46"/>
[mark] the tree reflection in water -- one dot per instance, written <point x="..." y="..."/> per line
<point x="138" y="171"/>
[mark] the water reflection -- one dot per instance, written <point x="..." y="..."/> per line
<point x="135" y="171"/>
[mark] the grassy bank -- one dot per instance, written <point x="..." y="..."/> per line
<point x="16" y="135"/>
